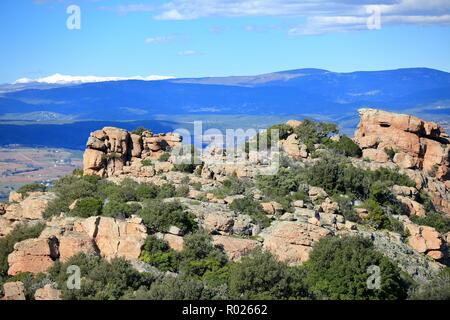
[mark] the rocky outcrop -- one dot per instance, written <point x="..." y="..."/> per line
<point x="33" y="255"/>
<point x="292" y="241"/>
<point x="66" y="237"/>
<point x="47" y="293"/>
<point x="424" y="239"/>
<point x="406" y="140"/>
<point x="30" y="208"/>
<point x="14" y="291"/>
<point x="294" y="147"/>
<point x="111" y="149"/>
<point x="234" y="248"/>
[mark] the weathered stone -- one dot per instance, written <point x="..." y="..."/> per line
<point x="32" y="255"/>
<point x="416" y="143"/>
<point x="272" y="208"/>
<point x="216" y="222"/>
<point x="292" y="241"/>
<point x="14" y="291"/>
<point x="47" y="293"/>
<point x="317" y="193"/>
<point x="233" y="247"/>
<point x="15" y="197"/>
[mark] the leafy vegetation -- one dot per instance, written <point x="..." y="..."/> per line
<point x="31" y="187"/>
<point x="338" y="269"/>
<point x="252" y="208"/>
<point x="159" y="216"/>
<point x="438" y="221"/>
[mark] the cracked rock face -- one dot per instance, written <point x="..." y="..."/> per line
<point x="110" y="150"/>
<point x="292" y="241"/>
<point x="416" y="143"/>
<point x="64" y="238"/>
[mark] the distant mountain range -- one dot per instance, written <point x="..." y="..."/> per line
<point x="294" y="92"/>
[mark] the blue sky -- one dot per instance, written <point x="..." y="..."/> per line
<point x="192" y="38"/>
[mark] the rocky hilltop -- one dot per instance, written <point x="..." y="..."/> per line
<point x="110" y="149"/>
<point x="131" y="194"/>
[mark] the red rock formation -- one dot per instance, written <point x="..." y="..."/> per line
<point x="110" y="149"/>
<point x="417" y="144"/>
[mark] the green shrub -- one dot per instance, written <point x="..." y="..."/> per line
<point x="252" y="208"/>
<point x="437" y="289"/>
<point x="260" y="276"/>
<point x="117" y="210"/>
<point x="111" y="156"/>
<point x="338" y="269"/>
<point x="159" y="216"/>
<point x="164" y="157"/>
<point x="32" y="187"/>
<point x="344" y="145"/>
<point x="140" y="130"/>
<point x="147" y="191"/>
<point x="438" y="221"/>
<point x="390" y="153"/>
<point x="100" y="280"/>
<point x="199" y="256"/>
<point x="157" y="253"/>
<point x="146" y="162"/>
<point x="167" y="190"/>
<point x="87" y="207"/>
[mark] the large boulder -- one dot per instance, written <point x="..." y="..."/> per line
<point x="294" y="147"/>
<point x="47" y="293"/>
<point x="14" y="291"/>
<point x="292" y="241"/>
<point x="424" y="239"/>
<point x="234" y="248"/>
<point x="33" y="255"/>
<point x="30" y="208"/>
<point x="410" y="141"/>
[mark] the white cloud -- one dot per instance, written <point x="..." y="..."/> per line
<point x="65" y="79"/>
<point x="320" y="16"/>
<point x="187" y="53"/>
<point x="165" y="39"/>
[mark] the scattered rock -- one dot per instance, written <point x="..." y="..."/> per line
<point x="47" y="293"/>
<point x="235" y="248"/>
<point x="14" y="291"/>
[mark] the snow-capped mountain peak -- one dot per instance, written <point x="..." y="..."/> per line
<point x="67" y="79"/>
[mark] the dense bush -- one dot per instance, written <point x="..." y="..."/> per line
<point x="438" y="221"/>
<point x="100" y="280"/>
<point x="190" y="159"/>
<point x="140" y="130"/>
<point x="146" y="162"/>
<point x="260" y="276"/>
<point x="75" y="187"/>
<point x="164" y="157"/>
<point x="252" y="208"/>
<point x="117" y="209"/>
<point x="338" y="269"/>
<point x="157" y="253"/>
<point x="436" y="289"/>
<point x="344" y="145"/>
<point x="31" y="187"/>
<point x="87" y="207"/>
<point x="159" y="216"/>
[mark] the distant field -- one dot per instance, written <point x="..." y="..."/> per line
<point x="19" y="166"/>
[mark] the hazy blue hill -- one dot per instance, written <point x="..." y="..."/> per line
<point x="71" y="135"/>
<point x="288" y="92"/>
